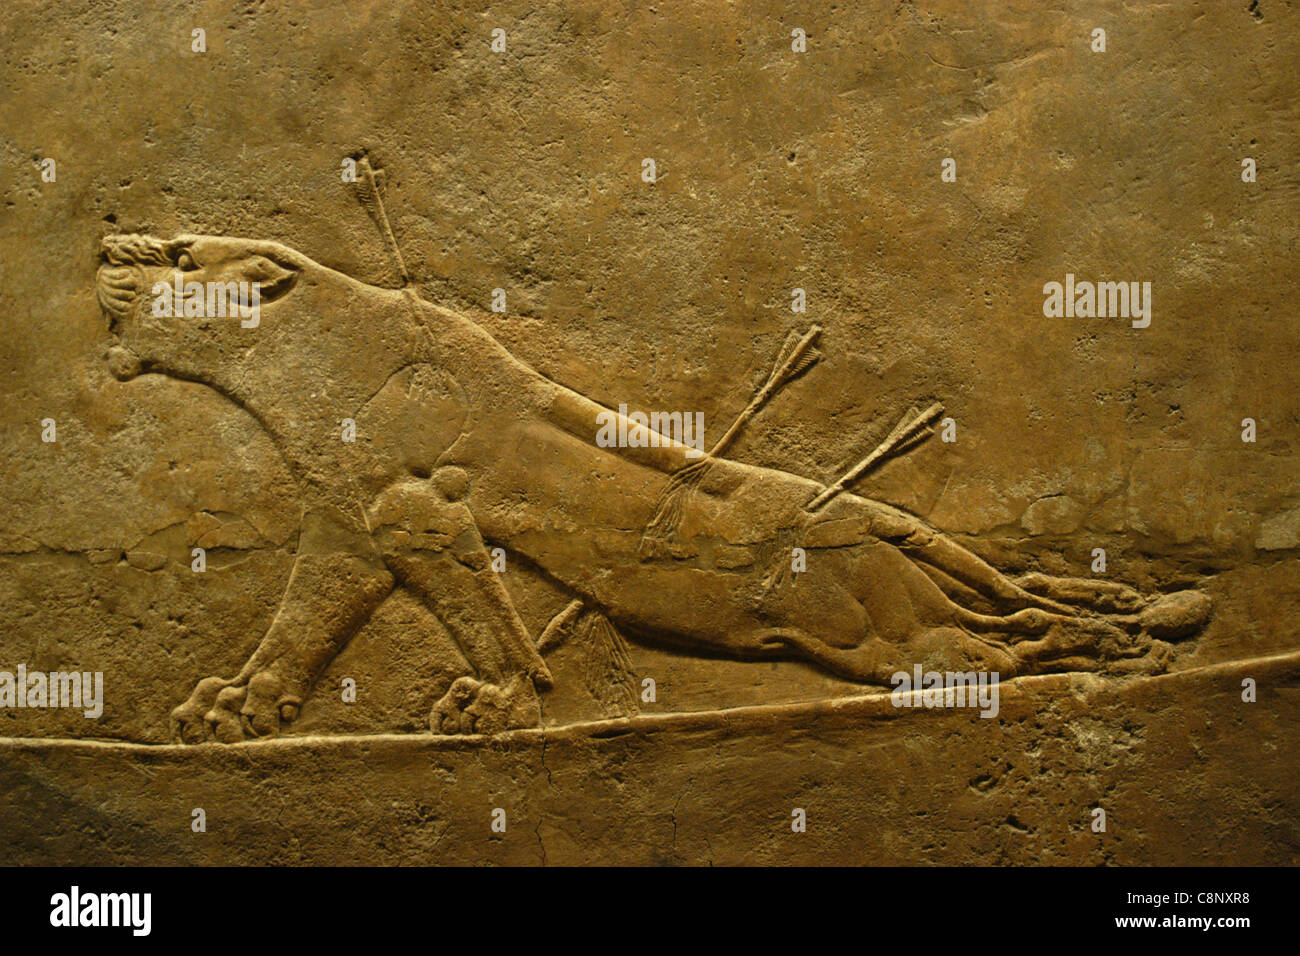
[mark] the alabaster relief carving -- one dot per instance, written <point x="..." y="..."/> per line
<point x="460" y="448"/>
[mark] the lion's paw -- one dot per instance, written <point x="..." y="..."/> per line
<point x="476" y="707"/>
<point x="1178" y="615"/>
<point x="228" y="711"/>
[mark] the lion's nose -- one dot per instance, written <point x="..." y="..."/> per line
<point x="123" y="364"/>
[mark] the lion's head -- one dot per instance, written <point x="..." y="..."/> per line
<point x="172" y="303"/>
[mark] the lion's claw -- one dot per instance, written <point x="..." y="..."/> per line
<point x="228" y="712"/>
<point x="477" y="707"/>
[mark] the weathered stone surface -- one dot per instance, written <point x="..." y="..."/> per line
<point x="371" y="563"/>
<point x="1189" y="777"/>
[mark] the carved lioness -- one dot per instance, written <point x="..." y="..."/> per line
<point x="461" y="448"/>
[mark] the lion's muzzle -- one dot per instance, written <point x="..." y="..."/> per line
<point x="123" y="364"/>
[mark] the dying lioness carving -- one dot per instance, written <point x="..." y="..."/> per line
<point x="418" y="504"/>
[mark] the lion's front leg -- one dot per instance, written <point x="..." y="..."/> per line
<point x="429" y="538"/>
<point x="336" y="583"/>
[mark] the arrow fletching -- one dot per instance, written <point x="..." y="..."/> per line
<point x="906" y="435"/>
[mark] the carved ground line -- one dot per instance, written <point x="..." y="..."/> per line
<point x="1278" y="668"/>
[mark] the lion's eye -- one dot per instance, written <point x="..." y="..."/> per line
<point x="185" y="262"/>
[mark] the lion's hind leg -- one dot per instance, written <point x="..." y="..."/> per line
<point x="1169" y="616"/>
<point x="875" y="661"/>
<point x="428" y="537"/>
<point x="1108" y="596"/>
<point x="1089" y="623"/>
<point x="867" y="610"/>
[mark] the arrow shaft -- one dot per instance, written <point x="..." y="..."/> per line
<point x="778" y="378"/>
<point x="904" y="435"/>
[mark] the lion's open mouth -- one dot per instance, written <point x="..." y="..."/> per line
<point x="276" y="288"/>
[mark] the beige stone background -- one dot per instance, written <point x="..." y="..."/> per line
<point x="776" y="170"/>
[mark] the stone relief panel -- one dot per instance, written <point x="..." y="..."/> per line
<point x="638" y="421"/>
